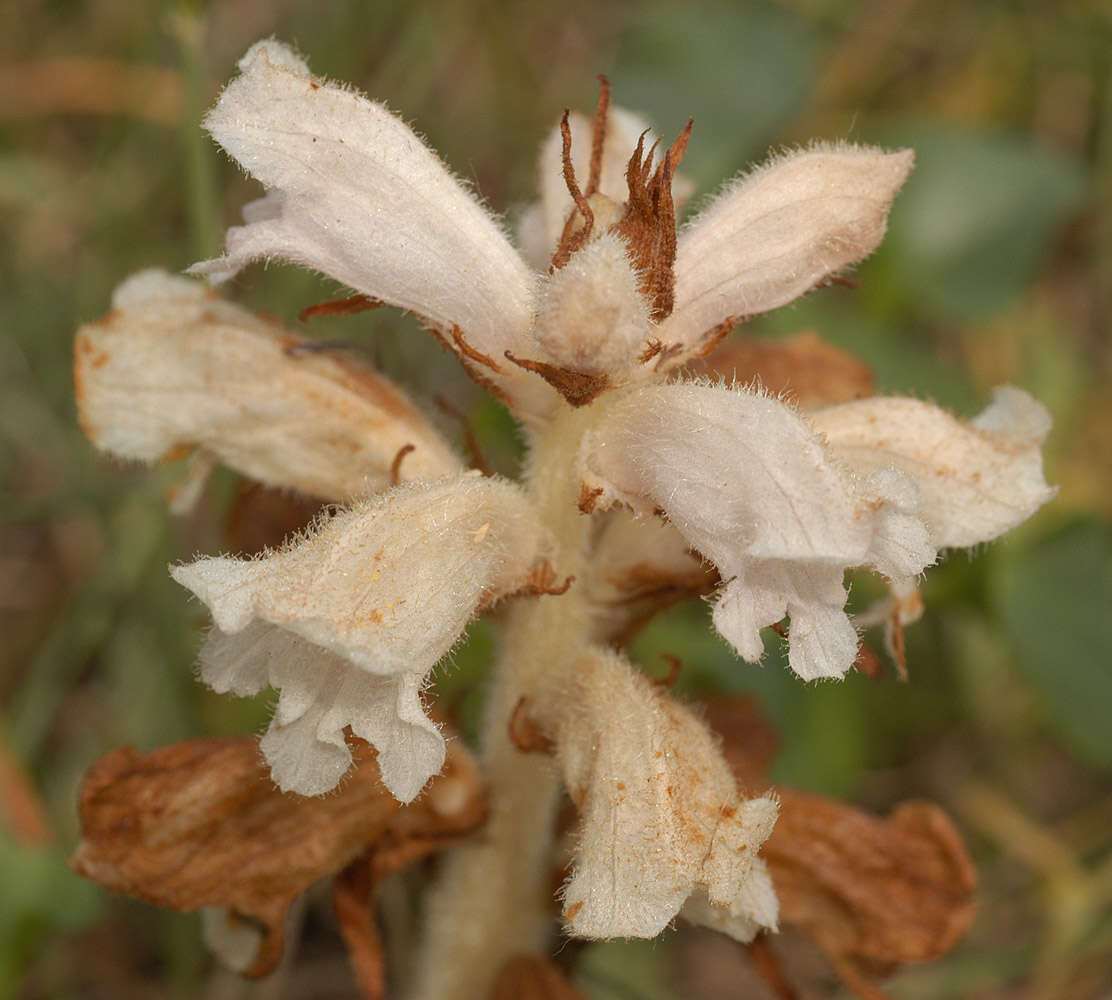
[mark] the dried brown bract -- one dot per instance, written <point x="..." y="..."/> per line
<point x="648" y="224"/>
<point x="873" y="893"/>
<point x="263" y="517"/>
<point x="804" y="368"/>
<point x="201" y="824"/>
<point x="879" y="892"/>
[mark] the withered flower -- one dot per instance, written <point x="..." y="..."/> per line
<point x="873" y="893"/>
<point x="200" y="825"/>
<point x="584" y="340"/>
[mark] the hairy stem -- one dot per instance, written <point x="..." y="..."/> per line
<point x="495" y="896"/>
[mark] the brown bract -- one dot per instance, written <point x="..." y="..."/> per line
<point x="340" y="307"/>
<point x="263" y="517"/>
<point x="804" y="368"/>
<point x="648" y="224"/>
<point x="200" y="824"/>
<point x="527" y="977"/>
<point x="881" y="891"/>
<point x="578" y="388"/>
<point x="648" y="218"/>
<point x="578" y="226"/>
<point x="645" y="590"/>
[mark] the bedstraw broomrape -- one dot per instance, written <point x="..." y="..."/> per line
<point x="644" y="482"/>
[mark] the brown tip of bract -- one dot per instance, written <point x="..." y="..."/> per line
<point x="598" y="136"/>
<point x="577" y="388"/>
<point x="648" y="225"/>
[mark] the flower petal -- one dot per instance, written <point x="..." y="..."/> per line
<point x="754" y="909"/>
<point x="348" y="622"/>
<point x="355" y="194"/>
<point x="975" y="480"/>
<point x="750" y="485"/>
<point x="173" y="367"/>
<point x="320" y="694"/>
<point x="776" y="233"/>
<point x="661" y="815"/>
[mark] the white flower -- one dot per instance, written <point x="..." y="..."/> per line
<point x="353" y="193"/>
<point x="783" y="511"/>
<point x="348" y="621"/>
<point x="662" y="823"/>
<point x="173" y="368"/>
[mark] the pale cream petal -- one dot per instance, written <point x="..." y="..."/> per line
<point x="776" y="233"/>
<point x="348" y="621"/>
<point x="976" y="480"/>
<point x="355" y="194"/>
<point x="661" y="818"/>
<point x="822" y="641"/>
<point x="319" y="694"/>
<point x="754" y="909"/>
<point x="752" y="487"/>
<point x="173" y="367"/>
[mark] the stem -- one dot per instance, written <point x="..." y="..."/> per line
<point x="494" y="898"/>
<point x="189" y="26"/>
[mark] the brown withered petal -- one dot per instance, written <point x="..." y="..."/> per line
<point x="641" y="567"/>
<point x="804" y="368"/>
<point x="263" y="517"/>
<point x="200" y="824"/>
<point x="884" y="890"/>
<point x="529" y="977"/>
<point x="872" y="892"/>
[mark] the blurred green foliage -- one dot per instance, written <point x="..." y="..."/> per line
<point x="998" y="268"/>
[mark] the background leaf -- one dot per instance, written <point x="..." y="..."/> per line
<point x="1055" y="600"/>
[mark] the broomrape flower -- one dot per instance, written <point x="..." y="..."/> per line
<point x="637" y="471"/>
